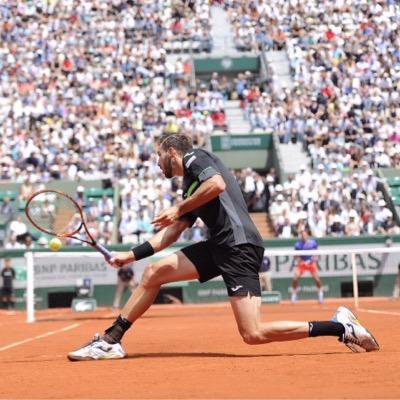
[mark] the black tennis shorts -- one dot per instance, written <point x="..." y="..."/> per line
<point x="239" y="265"/>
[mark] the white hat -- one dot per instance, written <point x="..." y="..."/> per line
<point x="303" y="215"/>
<point x="321" y="166"/>
<point x="353" y="214"/>
<point x="370" y="172"/>
<point x="287" y="186"/>
<point x="279" y="188"/>
<point x="337" y="218"/>
<point x="42" y="240"/>
<point x="298" y="204"/>
<point x="80" y="189"/>
<point x="302" y="167"/>
<point x="279" y="197"/>
<point x="381" y="203"/>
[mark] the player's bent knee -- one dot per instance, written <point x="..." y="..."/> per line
<point x="155" y="275"/>
<point x="150" y="277"/>
<point x="253" y="337"/>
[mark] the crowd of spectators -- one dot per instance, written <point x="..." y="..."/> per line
<point x="345" y="60"/>
<point x="330" y="203"/>
<point x="85" y="86"/>
<point x="188" y="27"/>
<point x="344" y="107"/>
<point x="255" y="25"/>
<point x="326" y="202"/>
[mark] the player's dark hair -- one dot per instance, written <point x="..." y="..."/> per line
<point x="180" y="142"/>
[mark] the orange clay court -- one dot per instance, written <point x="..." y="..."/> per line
<point x="194" y="352"/>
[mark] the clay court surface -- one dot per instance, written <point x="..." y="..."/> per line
<point x="195" y="352"/>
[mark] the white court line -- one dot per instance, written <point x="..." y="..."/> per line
<point x="379" y="312"/>
<point x="15" y="344"/>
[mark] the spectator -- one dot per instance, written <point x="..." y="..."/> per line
<point x="382" y="215"/>
<point x="126" y="280"/>
<point x="352" y="228"/>
<point x="7" y="291"/>
<point x="12" y="243"/>
<point x="306" y="263"/>
<point x="18" y="228"/>
<point x="6" y="208"/>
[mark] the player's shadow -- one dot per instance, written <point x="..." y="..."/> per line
<point x="132" y="356"/>
<point x="223" y="355"/>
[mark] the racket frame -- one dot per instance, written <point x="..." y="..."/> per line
<point x="106" y="253"/>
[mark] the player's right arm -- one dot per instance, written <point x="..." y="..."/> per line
<point x="161" y="240"/>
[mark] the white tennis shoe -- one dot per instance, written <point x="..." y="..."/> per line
<point x="355" y="337"/>
<point x="97" y="349"/>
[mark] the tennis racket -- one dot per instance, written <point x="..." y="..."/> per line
<point x="58" y="214"/>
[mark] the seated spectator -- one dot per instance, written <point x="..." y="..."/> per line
<point x="382" y="216"/>
<point x="336" y="228"/>
<point x="352" y="228"/>
<point x="105" y="206"/>
<point x="105" y="230"/>
<point x="286" y="230"/>
<point x="12" y="243"/>
<point x="18" y="229"/>
<point x="6" y="208"/>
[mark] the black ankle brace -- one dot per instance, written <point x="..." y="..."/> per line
<point x="116" y="331"/>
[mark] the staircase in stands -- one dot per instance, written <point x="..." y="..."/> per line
<point x="263" y="224"/>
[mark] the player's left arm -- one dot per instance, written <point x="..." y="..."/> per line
<point x="207" y="191"/>
<point x="201" y="168"/>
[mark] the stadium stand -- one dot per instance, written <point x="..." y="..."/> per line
<point x="343" y="106"/>
<point x="86" y="86"/>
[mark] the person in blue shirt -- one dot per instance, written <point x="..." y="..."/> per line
<point x="306" y="264"/>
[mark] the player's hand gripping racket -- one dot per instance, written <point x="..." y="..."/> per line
<point x="55" y="213"/>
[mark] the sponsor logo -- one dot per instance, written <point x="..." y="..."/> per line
<point x="236" y="288"/>
<point x="189" y="162"/>
<point x="81" y="306"/>
<point x="352" y="330"/>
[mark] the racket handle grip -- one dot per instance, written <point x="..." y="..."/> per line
<point x="107" y="254"/>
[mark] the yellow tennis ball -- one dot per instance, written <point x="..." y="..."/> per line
<point x="55" y="244"/>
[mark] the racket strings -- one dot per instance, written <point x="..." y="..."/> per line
<point x="55" y="213"/>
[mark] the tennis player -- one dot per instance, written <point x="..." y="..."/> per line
<point x="306" y="264"/>
<point x="234" y="250"/>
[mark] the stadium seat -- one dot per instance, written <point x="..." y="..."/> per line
<point x="394" y="182"/>
<point x="8" y="193"/>
<point x="97" y="192"/>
